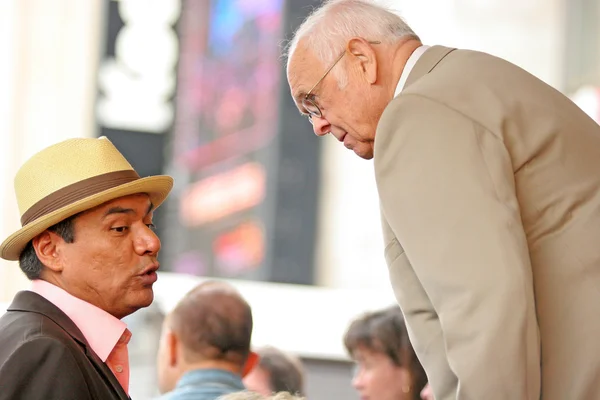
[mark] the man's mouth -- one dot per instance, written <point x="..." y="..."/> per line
<point x="151" y="269"/>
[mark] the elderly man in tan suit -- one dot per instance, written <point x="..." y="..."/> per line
<point x="489" y="186"/>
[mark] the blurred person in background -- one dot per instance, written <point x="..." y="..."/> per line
<point x="387" y="367"/>
<point x="258" y="396"/>
<point x="204" y="349"/>
<point x="427" y="393"/>
<point x="275" y="372"/>
<point x="488" y="184"/>
<point x="88" y="246"/>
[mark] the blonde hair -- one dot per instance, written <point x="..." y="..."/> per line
<point x="247" y="395"/>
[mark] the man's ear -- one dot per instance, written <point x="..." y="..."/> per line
<point x="173" y="348"/>
<point x="47" y="248"/>
<point x="365" y="54"/>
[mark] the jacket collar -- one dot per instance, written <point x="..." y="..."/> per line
<point x="427" y="62"/>
<point x="26" y="301"/>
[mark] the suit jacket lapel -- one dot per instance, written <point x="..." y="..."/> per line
<point x="27" y="301"/>
<point x="427" y="62"/>
<point x="106" y="372"/>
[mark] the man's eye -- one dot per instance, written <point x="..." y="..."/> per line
<point x="151" y="226"/>
<point x="120" y="229"/>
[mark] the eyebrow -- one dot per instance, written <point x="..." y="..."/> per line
<point x="121" y="210"/>
<point x="299" y="100"/>
<point x="300" y="95"/>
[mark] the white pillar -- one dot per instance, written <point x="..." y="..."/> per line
<point x="48" y="86"/>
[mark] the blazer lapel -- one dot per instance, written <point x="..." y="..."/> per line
<point x="32" y="302"/>
<point x="427" y="62"/>
<point x="107" y="373"/>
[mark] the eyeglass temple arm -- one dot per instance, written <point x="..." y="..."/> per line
<point x="333" y="65"/>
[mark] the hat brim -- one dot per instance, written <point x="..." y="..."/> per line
<point x="156" y="187"/>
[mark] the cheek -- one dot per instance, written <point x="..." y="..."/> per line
<point x="80" y="262"/>
<point x="108" y="265"/>
<point x="100" y="263"/>
<point x="368" y="381"/>
<point x="387" y="380"/>
<point x="377" y="380"/>
<point x="358" y="118"/>
<point x="118" y="251"/>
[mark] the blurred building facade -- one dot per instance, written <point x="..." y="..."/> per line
<point x="257" y="196"/>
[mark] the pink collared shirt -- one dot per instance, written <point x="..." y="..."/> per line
<point x="107" y="336"/>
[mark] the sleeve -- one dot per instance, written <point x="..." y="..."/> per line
<point x="447" y="190"/>
<point x="42" y="369"/>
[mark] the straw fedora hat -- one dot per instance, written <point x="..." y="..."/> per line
<point x="70" y="177"/>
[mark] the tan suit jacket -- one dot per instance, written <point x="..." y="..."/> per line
<point x="489" y="182"/>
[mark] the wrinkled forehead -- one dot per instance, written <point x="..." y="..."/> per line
<point x="304" y="70"/>
<point x="138" y="203"/>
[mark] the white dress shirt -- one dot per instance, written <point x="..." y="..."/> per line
<point x="410" y="63"/>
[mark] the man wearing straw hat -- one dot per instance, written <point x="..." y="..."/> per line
<point x="88" y="246"/>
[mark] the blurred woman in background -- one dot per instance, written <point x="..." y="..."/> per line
<point x="386" y="365"/>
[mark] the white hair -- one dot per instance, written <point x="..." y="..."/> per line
<point x="328" y="28"/>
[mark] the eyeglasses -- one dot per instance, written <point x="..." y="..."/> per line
<point x="308" y="103"/>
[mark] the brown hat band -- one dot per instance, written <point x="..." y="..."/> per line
<point x="77" y="191"/>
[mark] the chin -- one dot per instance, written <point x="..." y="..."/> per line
<point x="143" y="299"/>
<point x="364" y="153"/>
<point x="147" y="299"/>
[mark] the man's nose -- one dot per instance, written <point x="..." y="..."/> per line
<point x="147" y="243"/>
<point x="321" y="126"/>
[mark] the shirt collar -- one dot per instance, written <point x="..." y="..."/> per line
<point x="410" y="63"/>
<point x="101" y="330"/>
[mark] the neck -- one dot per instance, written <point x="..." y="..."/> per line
<point x="54" y="278"/>
<point x="213" y="364"/>
<point x="402" y="53"/>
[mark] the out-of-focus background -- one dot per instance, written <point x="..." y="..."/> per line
<point x="196" y="89"/>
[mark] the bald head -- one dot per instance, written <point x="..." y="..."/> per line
<point x="329" y="27"/>
<point x="344" y="64"/>
<point x="213" y="323"/>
